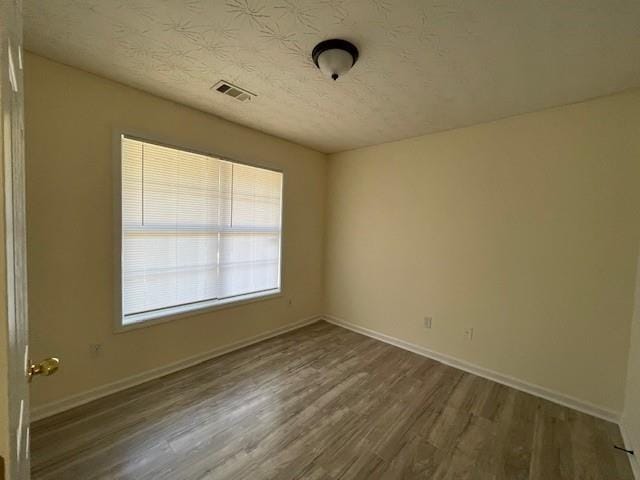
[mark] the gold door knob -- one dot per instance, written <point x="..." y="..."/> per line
<point x="46" y="367"/>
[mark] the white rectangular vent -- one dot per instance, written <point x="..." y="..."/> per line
<point x="236" y="92"/>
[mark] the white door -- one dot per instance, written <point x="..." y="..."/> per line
<point x="14" y="347"/>
<point x="13" y="257"/>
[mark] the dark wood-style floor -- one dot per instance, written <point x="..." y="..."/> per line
<point x="324" y="403"/>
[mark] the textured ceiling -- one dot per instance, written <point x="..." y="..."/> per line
<point x="424" y="66"/>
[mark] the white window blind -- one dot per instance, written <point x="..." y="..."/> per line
<point x="196" y="230"/>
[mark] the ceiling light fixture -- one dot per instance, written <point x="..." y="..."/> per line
<point x="334" y="57"/>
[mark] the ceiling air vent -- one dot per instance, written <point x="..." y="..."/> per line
<point x="233" y="91"/>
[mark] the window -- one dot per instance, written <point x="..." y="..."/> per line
<point x="197" y="231"/>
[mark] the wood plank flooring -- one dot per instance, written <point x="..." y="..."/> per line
<point x="324" y="403"/>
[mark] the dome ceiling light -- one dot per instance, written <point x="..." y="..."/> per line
<point x="334" y="57"/>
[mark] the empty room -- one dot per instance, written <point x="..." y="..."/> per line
<point x="320" y="240"/>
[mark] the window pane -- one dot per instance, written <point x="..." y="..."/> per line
<point x="195" y="228"/>
<point x="256" y="197"/>
<point x="179" y="188"/>
<point x="248" y="263"/>
<point x="131" y="182"/>
<point x="164" y="270"/>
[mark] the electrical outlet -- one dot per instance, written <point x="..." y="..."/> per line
<point x="427" y="322"/>
<point x="468" y="333"/>
<point x="95" y="349"/>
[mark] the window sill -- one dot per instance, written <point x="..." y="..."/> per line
<point x="143" y="320"/>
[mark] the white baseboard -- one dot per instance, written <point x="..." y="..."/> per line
<point x="507" y="380"/>
<point x="634" y="461"/>
<point x="72" y="401"/>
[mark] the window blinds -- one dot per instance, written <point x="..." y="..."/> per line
<point x="195" y="229"/>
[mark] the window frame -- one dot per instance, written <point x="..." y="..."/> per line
<point x="174" y="313"/>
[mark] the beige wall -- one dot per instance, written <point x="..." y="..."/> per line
<point x="631" y="415"/>
<point x="70" y="118"/>
<point x="520" y="228"/>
